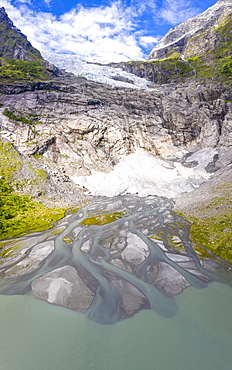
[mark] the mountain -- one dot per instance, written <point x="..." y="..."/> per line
<point x="198" y="49"/>
<point x="69" y="138"/>
<point x="13" y="44"/>
<point x="117" y="157"/>
<point x="19" y="60"/>
<point x="199" y="35"/>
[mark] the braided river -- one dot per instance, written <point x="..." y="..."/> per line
<point x="115" y="285"/>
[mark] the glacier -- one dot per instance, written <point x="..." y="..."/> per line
<point x="97" y="72"/>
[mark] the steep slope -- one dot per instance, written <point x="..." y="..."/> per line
<point x="77" y="126"/>
<point x="198" y="35"/>
<point x="200" y="48"/>
<point x="19" y="60"/>
<point x="13" y="44"/>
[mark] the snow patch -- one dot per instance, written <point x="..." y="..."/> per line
<point x="145" y="174"/>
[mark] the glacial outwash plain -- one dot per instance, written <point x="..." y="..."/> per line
<point x="115" y="200"/>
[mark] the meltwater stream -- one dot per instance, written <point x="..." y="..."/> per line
<point x="112" y="258"/>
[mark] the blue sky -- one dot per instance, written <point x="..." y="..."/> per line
<point x="100" y="30"/>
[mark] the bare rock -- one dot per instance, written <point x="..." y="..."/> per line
<point x="63" y="287"/>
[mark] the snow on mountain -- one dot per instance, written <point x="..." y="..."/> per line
<point x="177" y="37"/>
<point x="145" y="174"/>
<point x="95" y="72"/>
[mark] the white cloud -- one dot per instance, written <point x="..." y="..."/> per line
<point x="104" y="32"/>
<point x="108" y="33"/>
<point x="148" y="41"/>
<point x="145" y="5"/>
<point x="177" y="11"/>
<point x="24" y="1"/>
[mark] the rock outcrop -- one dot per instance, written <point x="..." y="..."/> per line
<point x="198" y="49"/>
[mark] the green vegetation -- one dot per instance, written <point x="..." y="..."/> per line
<point x="173" y="54"/>
<point x="12" y="116"/>
<point x="40" y="173"/>
<point x="102" y="219"/>
<point x="15" y="69"/>
<point x="14" y="43"/>
<point x="25" y="67"/>
<point x="162" y="71"/>
<point x="226" y="68"/>
<point x="201" y="67"/>
<point x="67" y="240"/>
<point x="214" y="233"/>
<point x="209" y="67"/>
<point x="211" y="224"/>
<point x="20" y="214"/>
<point x="224" y="30"/>
<point x="176" y="66"/>
<point x="10" y="161"/>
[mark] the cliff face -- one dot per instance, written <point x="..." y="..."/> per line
<point x="68" y="126"/>
<point x="198" y="35"/>
<point x="83" y="126"/>
<point x="113" y="121"/>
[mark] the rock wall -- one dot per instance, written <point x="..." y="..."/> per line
<point x="84" y="126"/>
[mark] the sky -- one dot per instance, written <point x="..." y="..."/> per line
<point x="100" y="30"/>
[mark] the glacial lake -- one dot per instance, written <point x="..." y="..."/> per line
<point x="115" y="286"/>
<point x="36" y="335"/>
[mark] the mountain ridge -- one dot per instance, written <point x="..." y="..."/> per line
<point x="177" y="40"/>
<point x="62" y="127"/>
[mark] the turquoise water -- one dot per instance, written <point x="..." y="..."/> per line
<point x="187" y="331"/>
<point x="36" y="335"/>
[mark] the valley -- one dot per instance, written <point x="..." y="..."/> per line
<point x="117" y="177"/>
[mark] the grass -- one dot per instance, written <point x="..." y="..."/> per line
<point x="10" y="161"/>
<point x="19" y="70"/>
<point x="16" y="116"/>
<point x="211" y="223"/>
<point x="20" y="214"/>
<point x="102" y="219"/>
<point x="214" y="233"/>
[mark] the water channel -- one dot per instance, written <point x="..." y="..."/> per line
<point x="116" y="285"/>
